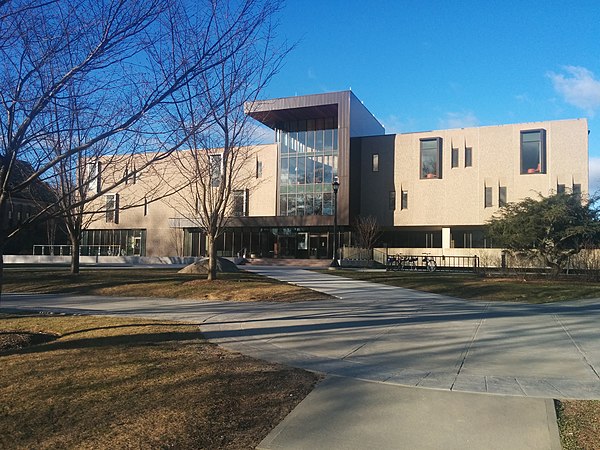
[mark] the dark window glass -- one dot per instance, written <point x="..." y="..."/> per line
<point x="112" y="208"/>
<point x="468" y="157"/>
<point x="240" y="203"/>
<point x="375" y="162"/>
<point x="488" y="197"/>
<point x="502" y="196"/>
<point x="392" y="200"/>
<point x="560" y="188"/>
<point x="215" y="166"/>
<point x="431" y="158"/>
<point x="454" y="157"/>
<point x="404" y="204"/>
<point x="577" y="189"/>
<point x="533" y="151"/>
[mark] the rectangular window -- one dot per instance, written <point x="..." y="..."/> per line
<point x="502" y="196"/>
<point x="533" y="151"/>
<point x="560" y="188"/>
<point x="240" y="203"/>
<point x="431" y="158"/>
<point x="468" y="156"/>
<point x="577" y="189"/>
<point x="454" y="158"/>
<point x="488" y="197"/>
<point x="259" y="168"/>
<point x="375" y="162"/>
<point x="112" y="208"/>
<point x="145" y="206"/>
<point x="94" y="177"/>
<point x="392" y="200"/>
<point x="215" y="167"/>
<point x="404" y="201"/>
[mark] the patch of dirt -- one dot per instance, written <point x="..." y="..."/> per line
<point x="15" y="340"/>
<point x="201" y="266"/>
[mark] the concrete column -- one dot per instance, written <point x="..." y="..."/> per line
<point x="446" y="238"/>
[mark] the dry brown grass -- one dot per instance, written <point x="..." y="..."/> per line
<point x="579" y="424"/>
<point x="165" y="283"/>
<point x="131" y="383"/>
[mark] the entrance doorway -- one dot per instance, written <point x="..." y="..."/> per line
<point x="318" y="246"/>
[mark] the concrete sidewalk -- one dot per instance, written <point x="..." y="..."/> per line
<point x="344" y="413"/>
<point x="381" y="345"/>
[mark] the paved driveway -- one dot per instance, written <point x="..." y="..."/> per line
<point x="393" y="335"/>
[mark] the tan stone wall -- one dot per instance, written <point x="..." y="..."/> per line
<point x="160" y="193"/>
<point x="458" y="197"/>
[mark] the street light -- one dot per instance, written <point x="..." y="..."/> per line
<point x="335" y="185"/>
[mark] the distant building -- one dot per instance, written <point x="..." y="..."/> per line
<point x="433" y="189"/>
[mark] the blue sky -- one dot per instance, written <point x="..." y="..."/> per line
<point x="422" y="65"/>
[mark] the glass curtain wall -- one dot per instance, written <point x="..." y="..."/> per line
<point x="308" y="162"/>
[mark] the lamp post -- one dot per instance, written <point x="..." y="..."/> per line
<point x="335" y="185"/>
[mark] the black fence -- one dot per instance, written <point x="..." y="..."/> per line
<point x="432" y="263"/>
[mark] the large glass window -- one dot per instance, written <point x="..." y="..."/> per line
<point x="533" y="151"/>
<point x="431" y="158"/>
<point x="308" y="162"/>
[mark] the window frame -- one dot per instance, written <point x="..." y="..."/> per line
<point x="542" y="150"/>
<point x="437" y="174"/>
<point x="392" y="200"/>
<point x="454" y="158"/>
<point x="404" y="200"/>
<point x="502" y="196"/>
<point x="112" y="211"/>
<point x="488" y="197"/>
<point x="468" y="156"/>
<point x="375" y="162"/>
<point x="244" y="195"/>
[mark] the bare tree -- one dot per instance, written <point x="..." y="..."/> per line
<point x="104" y="61"/>
<point x="220" y="163"/>
<point x="367" y="231"/>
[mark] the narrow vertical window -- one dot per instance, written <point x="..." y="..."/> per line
<point x="454" y="158"/>
<point x="240" y="203"/>
<point x="112" y="208"/>
<point x="215" y="163"/>
<point x="259" y="168"/>
<point x="404" y="200"/>
<point x="94" y="177"/>
<point x="392" y="200"/>
<point x="577" y="189"/>
<point x="468" y="156"/>
<point x="501" y="196"/>
<point x="560" y="189"/>
<point x="431" y="158"/>
<point x="145" y="206"/>
<point x="375" y="162"/>
<point x="533" y="151"/>
<point x="488" y="197"/>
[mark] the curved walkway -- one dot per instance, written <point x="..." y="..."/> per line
<point x="392" y="335"/>
<point x="396" y="339"/>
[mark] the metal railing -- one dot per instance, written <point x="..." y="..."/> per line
<point x="426" y="262"/>
<point x="84" y="250"/>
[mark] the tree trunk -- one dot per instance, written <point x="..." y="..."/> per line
<point x="212" y="259"/>
<point x="74" y="254"/>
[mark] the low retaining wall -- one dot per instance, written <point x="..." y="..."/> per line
<point x="111" y="260"/>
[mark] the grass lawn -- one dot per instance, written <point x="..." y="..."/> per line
<point x="133" y="383"/>
<point x="476" y="287"/>
<point x="166" y="283"/>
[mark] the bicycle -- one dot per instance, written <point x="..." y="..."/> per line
<point x="429" y="263"/>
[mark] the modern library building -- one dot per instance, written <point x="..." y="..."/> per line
<point x="428" y="189"/>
